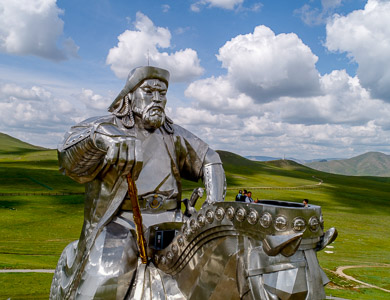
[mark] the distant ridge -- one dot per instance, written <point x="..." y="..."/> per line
<point x="368" y="164"/>
<point x="262" y="158"/>
<point x="11" y="145"/>
<point x="300" y="161"/>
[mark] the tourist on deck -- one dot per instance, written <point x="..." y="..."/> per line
<point x="248" y="198"/>
<point x="238" y="197"/>
<point x="243" y="196"/>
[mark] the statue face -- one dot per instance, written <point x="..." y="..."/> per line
<point x="149" y="101"/>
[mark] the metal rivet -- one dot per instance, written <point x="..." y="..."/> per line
<point x="174" y="249"/>
<point x="219" y="213"/>
<point x="209" y="216"/>
<point x="193" y="225"/>
<point x="314" y="224"/>
<point x="180" y="241"/>
<point x="169" y="255"/>
<point x="241" y="214"/>
<point x="187" y="234"/>
<point x="281" y="223"/>
<point x="299" y="224"/>
<point x="253" y="217"/>
<point x="201" y="220"/>
<point x="230" y="212"/>
<point x="266" y="220"/>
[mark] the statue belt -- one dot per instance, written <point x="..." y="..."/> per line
<point x="151" y="202"/>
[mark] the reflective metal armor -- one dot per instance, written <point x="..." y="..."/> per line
<point x="226" y="250"/>
<point x="137" y="139"/>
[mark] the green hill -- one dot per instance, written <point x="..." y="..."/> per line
<point x="368" y="164"/>
<point x="35" y="228"/>
<point x="11" y="145"/>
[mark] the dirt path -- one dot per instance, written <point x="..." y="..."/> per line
<point x="339" y="271"/>
<point x="26" y="271"/>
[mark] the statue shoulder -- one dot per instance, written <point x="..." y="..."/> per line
<point x="97" y="120"/>
<point x="182" y="132"/>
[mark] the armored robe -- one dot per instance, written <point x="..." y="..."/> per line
<point x="102" y="263"/>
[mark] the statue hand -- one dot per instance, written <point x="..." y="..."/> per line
<point x="122" y="153"/>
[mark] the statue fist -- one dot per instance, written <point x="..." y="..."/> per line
<point x="122" y="153"/>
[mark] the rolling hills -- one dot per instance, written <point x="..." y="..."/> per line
<point x="35" y="228"/>
<point x="368" y="164"/>
<point x="11" y="145"/>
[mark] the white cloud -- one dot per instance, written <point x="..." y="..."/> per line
<point x="137" y="47"/>
<point x="218" y="94"/>
<point x="266" y="66"/>
<point x="225" y="4"/>
<point x="12" y="91"/>
<point x="32" y="107"/>
<point x="40" y="116"/>
<point x="33" y="27"/>
<point x="316" y="16"/>
<point x="94" y="101"/>
<point x="365" y="36"/>
<point x="344" y="102"/>
<point x="272" y="101"/>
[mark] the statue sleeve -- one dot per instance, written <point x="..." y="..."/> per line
<point x="198" y="161"/>
<point x="190" y="152"/>
<point x="80" y="157"/>
<point x="214" y="178"/>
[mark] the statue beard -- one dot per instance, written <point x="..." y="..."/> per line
<point x="153" y="116"/>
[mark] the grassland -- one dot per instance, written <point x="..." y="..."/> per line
<point x="34" y="229"/>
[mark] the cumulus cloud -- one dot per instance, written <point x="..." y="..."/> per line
<point x="261" y="66"/>
<point x="142" y="45"/>
<point x="344" y="102"/>
<point x="33" y="27"/>
<point x="21" y="106"/>
<point x="273" y="101"/>
<point x="94" y="101"/>
<point x="267" y="66"/>
<point x="218" y="94"/>
<point x="365" y="36"/>
<point x="267" y="135"/>
<point x="40" y="116"/>
<point x="225" y="4"/>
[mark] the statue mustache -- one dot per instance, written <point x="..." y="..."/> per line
<point x="154" y="106"/>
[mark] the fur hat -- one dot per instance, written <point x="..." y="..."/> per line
<point x="136" y="77"/>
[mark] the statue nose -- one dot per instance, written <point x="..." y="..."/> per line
<point x="156" y="96"/>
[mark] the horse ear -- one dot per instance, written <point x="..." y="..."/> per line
<point x="328" y="238"/>
<point x="285" y="244"/>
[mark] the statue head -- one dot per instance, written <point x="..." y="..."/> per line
<point x="144" y="95"/>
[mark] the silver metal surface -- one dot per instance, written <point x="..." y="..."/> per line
<point x="226" y="250"/>
<point x="136" y="138"/>
<point x="228" y="255"/>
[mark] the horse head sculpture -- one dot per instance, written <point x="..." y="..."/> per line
<point x="235" y="250"/>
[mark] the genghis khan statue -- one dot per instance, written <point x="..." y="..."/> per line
<point x="139" y="245"/>
<point x="139" y="141"/>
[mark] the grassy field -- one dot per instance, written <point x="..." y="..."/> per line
<point x="34" y="229"/>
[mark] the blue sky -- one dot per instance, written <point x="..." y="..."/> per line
<point x="305" y="79"/>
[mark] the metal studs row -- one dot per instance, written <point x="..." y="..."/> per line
<point x="240" y="215"/>
<point x="266" y="220"/>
